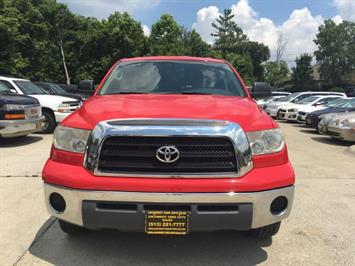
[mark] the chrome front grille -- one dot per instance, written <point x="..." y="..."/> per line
<point x="207" y="148"/>
<point x="196" y="155"/>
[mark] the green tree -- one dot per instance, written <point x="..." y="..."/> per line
<point x="258" y="53"/>
<point x="244" y="66"/>
<point x="194" y="45"/>
<point x="302" y="74"/>
<point x="166" y="37"/>
<point x="335" y="50"/>
<point x="276" y="73"/>
<point x="228" y="35"/>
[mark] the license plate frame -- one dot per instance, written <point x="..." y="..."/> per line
<point x="164" y="222"/>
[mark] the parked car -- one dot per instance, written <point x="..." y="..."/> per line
<point x="19" y="115"/>
<point x="55" y="89"/>
<point x="262" y="102"/>
<point x="337" y="106"/>
<point x="176" y="145"/>
<point x="70" y="88"/>
<point x="54" y="107"/>
<point x="340" y="126"/>
<point x="298" y="111"/>
<point x="273" y="108"/>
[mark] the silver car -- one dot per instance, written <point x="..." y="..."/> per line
<point x="338" y="125"/>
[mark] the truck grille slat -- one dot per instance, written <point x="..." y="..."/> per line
<point x="138" y="155"/>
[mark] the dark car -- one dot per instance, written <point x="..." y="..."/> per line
<point x="337" y="106"/>
<point x="71" y="88"/>
<point x="20" y="115"/>
<point x="55" y="89"/>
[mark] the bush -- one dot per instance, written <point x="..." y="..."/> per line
<point x="337" y="89"/>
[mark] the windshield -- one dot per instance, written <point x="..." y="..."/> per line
<point x="58" y="89"/>
<point x="347" y="104"/>
<point x="28" y="88"/>
<point x="173" y="77"/>
<point x="289" y="97"/>
<point x="4" y="89"/>
<point x="337" y="102"/>
<point x="309" y="100"/>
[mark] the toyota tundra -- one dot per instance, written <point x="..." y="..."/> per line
<point x="169" y="145"/>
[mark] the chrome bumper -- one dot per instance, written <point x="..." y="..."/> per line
<point x="260" y="201"/>
<point x="16" y="128"/>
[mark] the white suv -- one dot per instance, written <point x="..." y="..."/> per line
<point x="54" y="107"/>
<point x="273" y="108"/>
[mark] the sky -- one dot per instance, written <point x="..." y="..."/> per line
<point x="297" y="21"/>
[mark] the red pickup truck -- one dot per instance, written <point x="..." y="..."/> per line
<point x="169" y="145"/>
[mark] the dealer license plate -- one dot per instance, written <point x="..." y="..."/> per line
<point x="167" y="222"/>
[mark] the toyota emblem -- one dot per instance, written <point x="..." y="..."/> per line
<point x="168" y="154"/>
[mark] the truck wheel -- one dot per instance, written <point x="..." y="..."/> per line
<point x="71" y="229"/>
<point x="266" y="231"/>
<point x="48" y="125"/>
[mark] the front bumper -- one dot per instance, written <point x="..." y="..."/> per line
<point x="341" y="133"/>
<point x="286" y="115"/>
<point x="253" y="211"/>
<point x="17" y="128"/>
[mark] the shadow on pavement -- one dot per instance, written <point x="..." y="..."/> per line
<point x="19" y="141"/>
<point x="331" y="141"/>
<point x="309" y="131"/>
<point x="109" y="247"/>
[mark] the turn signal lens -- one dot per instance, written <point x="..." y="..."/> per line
<point x="14" y="116"/>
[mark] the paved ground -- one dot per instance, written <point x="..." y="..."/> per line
<point x="320" y="230"/>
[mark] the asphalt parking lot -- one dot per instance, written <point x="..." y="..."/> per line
<point x="320" y="230"/>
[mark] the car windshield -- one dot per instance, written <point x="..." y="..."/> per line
<point x="58" y="89"/>
<point x="337" y="102"/>
<point x="348" y="104"/>
<point x="278" y="99"/>
<point x="289" y="97"/>
<point x="4" y="89"/>
<point x="172" y="77"/>
<point x="309" y="100"/>
<point x="28" y="88"/>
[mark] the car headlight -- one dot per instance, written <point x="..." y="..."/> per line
<point x="265" y="141"/>
<point x="347" y="123"/>
<point x="70" y="139"/>
<point x="292" y="110"/>
<point x="14" y="107"/>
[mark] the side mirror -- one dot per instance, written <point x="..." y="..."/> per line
<point x="13" y="90"/>
<point x="86" y="87"/>
<point x="260" y="90"/>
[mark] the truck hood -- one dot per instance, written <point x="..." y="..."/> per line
<point x="17" y="99"/>
<point x="241" y="110"/>
<point x="51" y="101"/>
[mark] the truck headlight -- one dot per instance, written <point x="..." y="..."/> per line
<point x="265" y="141"/>
<point x="70" y="139"/>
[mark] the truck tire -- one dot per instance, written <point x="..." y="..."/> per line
<point x="71" y="229"/>
<point x="266" y="231"/>
<point x="48" y="125"/>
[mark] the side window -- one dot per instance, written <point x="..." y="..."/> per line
<point x="7" y="84"/>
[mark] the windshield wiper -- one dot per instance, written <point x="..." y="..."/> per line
<point x="186" y="92"/>
<point x="126" y="92"/>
